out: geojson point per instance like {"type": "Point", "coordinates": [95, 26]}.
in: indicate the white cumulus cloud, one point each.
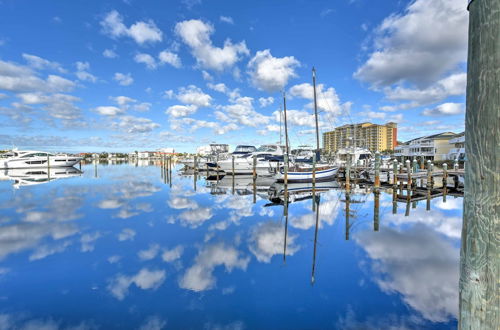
{"type": "Point", "coordinates": [269, 73]}
{"type": "Point", "coordinates": [141, 32]}
{"type": "Point", "coordinates": [196, 34]}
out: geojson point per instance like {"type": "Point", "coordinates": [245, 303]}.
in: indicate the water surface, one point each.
{"type": "Point", "coordinates": [120, 246]}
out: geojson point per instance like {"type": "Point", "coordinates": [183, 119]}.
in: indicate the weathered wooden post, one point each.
{"type": "Point", "coordinates": [314, 182]}
{"type": "Point", "coordinates": [432, 175]}
{"type": "Point", "coordinates": [162, 167]}
{"type": "Point", "coordinates": [455, 165]}
{"type": "Point", "coordinates": [254, 168]}
{"type": "Point", "coordinates": [285, 175]}
{"type": "Point", "coordinates": [480, 245]}
{"type": "Point", "coordinates": [376, 208]}
{"type": "Point", "coordinates": [394, 174]}
{"type": "Point", "coordinates": [415, 166]}
{"type": "Point", "coordinates": [445, 181]}
{"type": "Point", "coordinates": [216, 169]}
{"type": "Point", "coordinates": [347, 211]}
{"type": "Point", "coordinates": [377, 170]}
{"type": "Point", "coordinates": [429, 174]}
{"type": "Point", "coordinates": [48, 167]}
{"type": "Point", "coordinates": [408, 173]}
{"type": "Point", "coordinates": [170, 172]}
{"type": "Point", "coordinates": [232, 172]}
{"type": "Point", "coordinates": [348, 173]}
{"type": "Point", "coordinates": [195, 171]}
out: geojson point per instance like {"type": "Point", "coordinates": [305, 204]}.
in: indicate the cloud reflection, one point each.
{"type": "Point", "coordinates": [199, 276]}
{"type": "Point", "coordinates": [145, 279]}
{"type": "Point", "coordinates": [267, 239]}
{"type": "Point", "coordinates": [419, 264]}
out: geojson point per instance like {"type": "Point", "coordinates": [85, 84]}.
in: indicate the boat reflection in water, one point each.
{"type": "Point", "coordinates": [298, 191]}
{"type": "Point", "coordinates": [34, 176]}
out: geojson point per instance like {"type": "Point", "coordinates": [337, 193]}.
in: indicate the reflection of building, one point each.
{"type": "Point", "coordinates": [371, 136]}
{"type": "Point", "coordinates": [433, 147]}
{"type": "Point", "coordinates": [169, 151]}
{"type": "Point", "coordinates": [145, 154]}
{"type": "Point", "coordinates": [458, 149]}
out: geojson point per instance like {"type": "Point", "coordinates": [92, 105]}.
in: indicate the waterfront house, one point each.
{"type": "Point", "coordinates": [432, 147]}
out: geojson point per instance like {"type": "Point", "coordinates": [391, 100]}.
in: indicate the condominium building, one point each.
{"type": "Point", "coordinates": [432, 147]}
{"type": "Point", "coordinates": [366, 135]}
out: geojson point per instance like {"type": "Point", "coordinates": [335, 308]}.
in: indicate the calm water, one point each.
{"type": "Point", "coordinates": [117, 247]}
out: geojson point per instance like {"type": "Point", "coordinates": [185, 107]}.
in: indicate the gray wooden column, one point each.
{"type": "Point", "coordinates": [480, 250]}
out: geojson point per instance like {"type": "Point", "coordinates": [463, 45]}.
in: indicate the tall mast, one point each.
{"type": "Point", "coordinates": [315, 110]}
{"type": "Point", "coordinates": [281, 114]}
{"type": "Point", "coordinates": [286, 126]}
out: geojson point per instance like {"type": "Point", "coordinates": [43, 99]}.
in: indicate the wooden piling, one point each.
{"type": "Point", "coordinates": [377, 169]}
{"type": "Point", "coordinates": [285, 174]}
{"type": "Point", "coordinates": [445, 181]}
{"type": "Point", "coordinates": [394, 174]}
{"type": "Point", "coordinates": [254, 168]}
{"type": "Point", "coordinates": [195, 171]}
{"type": "Point", "coordinates": [348, 173]}
{"type": "Point", "coordinates": [232, 172]}
{"type": "Point", "coordinates": [415, 166]}
{"type": "Point", "coordinates": [479, 285]}
{"type": "Point", "coordinates": [48, 167]}
{"type": "Point", "coordinates": [429, 174]}
{"type": "Point", "coordinates": [314, 182]}
{"type": "Point", "coordinates": [408, 172]}
{"type": "Point", "coordinates": [170, 172]}
{"type": "Point", "coordinates": [376, 208]}
{"type": "Point", "coordinates": [347, 211]}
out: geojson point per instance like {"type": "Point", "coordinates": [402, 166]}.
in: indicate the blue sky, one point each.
{"type": "Point", "coordinates": [134, 75]}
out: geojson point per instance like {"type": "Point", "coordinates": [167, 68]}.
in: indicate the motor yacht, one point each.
{"type": "Point", "coordinates": [36, 159]}
{"type": "Point", "coordinates": [358, 156]}
{"type": "Point", "coordinates": [267, 156]}
{"type": "Point", "coordinates": [207, 155]}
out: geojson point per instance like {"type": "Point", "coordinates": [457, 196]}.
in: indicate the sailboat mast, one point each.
{"type": "Point", "coordinates": [281, 135]}
{"type": "Point", "coordinates": [286, 125]}
{"type": "Point", "coordinates": [315, 110]}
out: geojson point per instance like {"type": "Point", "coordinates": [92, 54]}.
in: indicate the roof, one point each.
{"type": "Point", "coordinates": [434, 136]}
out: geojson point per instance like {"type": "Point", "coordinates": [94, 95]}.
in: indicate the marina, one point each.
{"type": "Point", "coordinates": [232, 165]}
{"type": "Point", "coordinates": [162, 240]}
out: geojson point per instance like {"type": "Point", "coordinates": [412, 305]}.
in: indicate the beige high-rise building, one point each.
{"type": "Point", "coordinates": [371, 136]}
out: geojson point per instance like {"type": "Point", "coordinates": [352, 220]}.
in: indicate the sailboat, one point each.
{"type": "Point", "coordinates": [306, 172]}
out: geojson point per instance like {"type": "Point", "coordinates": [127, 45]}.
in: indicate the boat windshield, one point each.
{"type": "Point", "coordinates": [8, 154]}
{"type": "Point", "coordinates": [245, 149]}
{"type": "Point", "coordinates": [267, 149]}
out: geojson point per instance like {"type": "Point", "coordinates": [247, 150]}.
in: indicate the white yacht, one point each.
{"type": "Point", "coordinates": [267, 157]}
{"type": "Point", "coordinates": [207, 155]}
{"type": "Point", "coordinates": [36, 159]}
{"type": "Point", "coordinates": [359, 156]}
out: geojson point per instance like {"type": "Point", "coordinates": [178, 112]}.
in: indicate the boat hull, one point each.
{"type": "Point", "coordinates": [40, 162]}
{"type": "Point", "coordinates": [307, 176]}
